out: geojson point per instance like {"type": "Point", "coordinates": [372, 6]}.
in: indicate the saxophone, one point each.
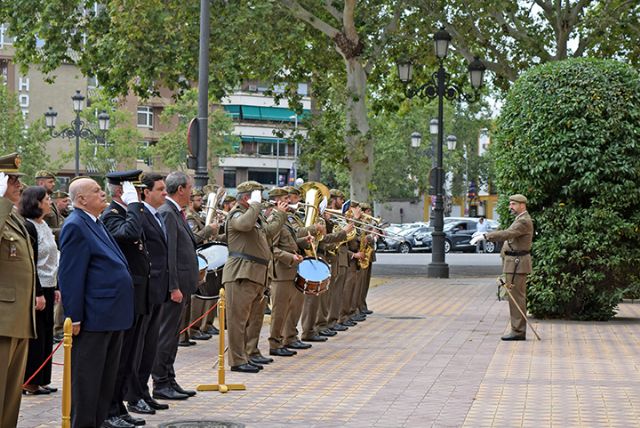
{"type": "Point", "coordinates": [367, 249]}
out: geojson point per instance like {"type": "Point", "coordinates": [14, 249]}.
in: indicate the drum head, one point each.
{"type": "Point", "coordinates": [314, 270]}
{"type": "Point", "coordinates": [202, 262]}
{"type": "Point", "coordinates": [216, 254]}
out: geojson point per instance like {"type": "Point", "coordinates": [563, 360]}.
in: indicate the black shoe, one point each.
{"type": "Point", "coordinates": [212, 331]}
{"type": "Point", "coordinates": [282, 352]}
{"type": "Point", "coordinates": [245, 368]}
{"type": "Point", "coordinates": [349, 323]}
{"type": "Point", "coordinates": [315, 338]}
{"type": "Point", "coordinates": [116, 422]}
{"type": "Point", "coordinates": [169, 393]}
{"type": "Point", "coordinates": [514, 336]}
{"type": "Point", "coordinates": [259, 359]}
{"type": "Point", "coordinates": [155, 405]}
{"type": "Point", "coordinates": [201, 336]}
{"type": "Point", "coordinates": [186, 343]}
{"type": "Point", "coordinates": [267, 310]}
{"type": "Point", "coordinates": [50, 389]}
{"type": "Point", "coordinates": [141, 407]}
{"type": "Point", "coordinates": [133, 420]}
{"type": "Point", "coordinates": [259, 366]}
{"type": "Point", "coordinates": [299, 345]}
{"type": "Point", "coordinates": [367, 312]}
{"type": "Point", "coordinates": [179, 389]}
{"type": "Point", "coordinates": [359, 317]}
{"type": "Point", "coordinates": [339, 327]}
{"type": "Point", "coordinates": [328, 332]}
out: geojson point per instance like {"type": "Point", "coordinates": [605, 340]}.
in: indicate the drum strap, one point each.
{"type": "Point", "coordinates": [249, 257]}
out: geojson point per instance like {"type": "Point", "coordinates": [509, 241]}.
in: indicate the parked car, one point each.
{"type": "Point", "coordinates": [402, 241]}
{"type": "Point", "coordinates": [458, 233]}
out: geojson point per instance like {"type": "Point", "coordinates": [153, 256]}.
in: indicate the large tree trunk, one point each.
{"type": "Point", "coordinates": [357, 138]}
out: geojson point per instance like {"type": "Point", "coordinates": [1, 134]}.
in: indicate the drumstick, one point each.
{"type": "Point", "coordinates": [315, 255]}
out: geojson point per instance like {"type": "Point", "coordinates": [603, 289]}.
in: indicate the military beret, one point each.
{"type": "Point", "coordinates": [335, 193]}
{"type": "Point", "coordinates": [518, 198]}
{"type": "Point", "coordinates": [45, 174]}
{"type": "Point", "coordinates": [209, 188]}
{"type": "Point", "coordinates": [249, 186]}
{"type": "Point", "coordinates": [365, 206]}
{"type": "Point", "coordinates": [196, 192]}
{"type": "Point", "coordinates": [355, 203]}
{"type": "Point", "coordinates": [9, 164]}
{"type": "Point", "coordinates": [59, 194]}
{"type": "Point", "coordinates": [293, 190]}
{"type": "Point", "coordinates": [228, 199]}
{"type": "Point", "coordinates": [278, 191]}
{"type": "Point", "coordinates": [119, 177]}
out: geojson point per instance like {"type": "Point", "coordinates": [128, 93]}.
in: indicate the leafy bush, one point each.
{"type": "Point", "coordinates": [569, 139]}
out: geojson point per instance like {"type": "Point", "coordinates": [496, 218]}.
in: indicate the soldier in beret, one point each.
{"type": "Point", "coordinates": [516, 262]}
{"type": "Point", "coordinates": [17, 285]}
{"type": "Point", "coordinates": [245, 273]}
{"type": "Point", "coordinates": [62, 202]}
{"type": "Point", "coordinates": [123, 219]}
{"type": "Point", "coordinates": [47, 180]}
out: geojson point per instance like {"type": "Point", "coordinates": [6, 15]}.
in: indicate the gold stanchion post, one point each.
{"type": "Point", "coordinates": [66, 374]}
{"type": "Point", "coordinates": [221, 385]}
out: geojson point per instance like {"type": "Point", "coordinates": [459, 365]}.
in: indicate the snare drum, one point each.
{"type": "Point", "coordinates": [216, 254]}
{"type": "Point", "coordinates": [314, 276]}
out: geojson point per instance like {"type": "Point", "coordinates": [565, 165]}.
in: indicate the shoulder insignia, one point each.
{"type": "Point", "coordinates": [192, 224]}
{"type": "Point", "coordinates": [115, 211]}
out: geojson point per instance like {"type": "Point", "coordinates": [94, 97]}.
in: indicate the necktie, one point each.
{"type": "Point", "coordinates": [102, 228]}
{"type": "Point", "coordinates": [184, 216]}
{"type": "Point", "coordinates": [162, 226]}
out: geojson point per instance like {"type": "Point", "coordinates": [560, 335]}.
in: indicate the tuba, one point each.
{"type": "Point", "coordinates": [316, 196]}
{"type": "Point", "coordinates": [212, 204]}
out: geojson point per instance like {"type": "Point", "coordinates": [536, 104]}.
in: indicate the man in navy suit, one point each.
{"type": "Point", "coordinates": [97, 294]}
{"type": "Point", "coordinates": [183, 279]}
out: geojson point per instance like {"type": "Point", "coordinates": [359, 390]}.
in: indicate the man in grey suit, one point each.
{"type": "Point", "coordinates": [183, 278]}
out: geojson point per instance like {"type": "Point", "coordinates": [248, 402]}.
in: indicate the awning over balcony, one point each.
{"type": "Point", "coordinates": [267, 114]}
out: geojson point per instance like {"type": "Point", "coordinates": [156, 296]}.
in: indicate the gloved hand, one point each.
{"type": "Point", "coordinates": [129, 193]}
{"type": "Point", "coordinates": [477, 237]}
{"type": "Point", "coordinates": [4, 183]}
{"type": "Point", "coordinates": [256, 197]}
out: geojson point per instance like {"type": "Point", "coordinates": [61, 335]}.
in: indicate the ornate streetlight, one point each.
{"type": "Point", "coordinates": [440, 86]}
{"type": "Point", "coordinates": [77, 129]}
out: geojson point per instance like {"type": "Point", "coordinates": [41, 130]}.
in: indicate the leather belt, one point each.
{"type": "Point", "coordinates": [249, 257]}
{"type": "Point", "coordinates": [517, 253]}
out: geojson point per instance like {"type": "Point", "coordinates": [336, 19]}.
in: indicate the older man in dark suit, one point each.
{"type": "Point", "coordinates": [123, 219]}
{"type": "Point", "coordinates": [183, 279]}
{"type": "Point", "coordinates": [153, 197]}
{"type": "Point", "coordinates": [17, 292]}
{"type": "Point", "coordinates": [97, 294]}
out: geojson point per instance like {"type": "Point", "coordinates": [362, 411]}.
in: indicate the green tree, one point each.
{"type": "Point", "coordinates": [568, 138]}
{"type": "Point", "coordinates": [30, 143]}
{"type": "Point", "coordinates": [172, 146]}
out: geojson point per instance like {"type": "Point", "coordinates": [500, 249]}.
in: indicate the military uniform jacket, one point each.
{"type": "Point", "coordinates": [202, 232]}
{"type": "Point", "coordinates": [17, 276]}
{"type": "Point", "coordinates": [353, 247]}
{"type": "Point", "coordinates": [517, 238]}
{"type": "Point", "coordinates": [125, 225]}
{"type": "Point", "coordinates": [328, 245]}
{"type": "Point", "coordinates": [248, 239]}
{"type": "Point", "coordinates": [286, 245]}
{"type": "Point", "coordinates": [54, 219]}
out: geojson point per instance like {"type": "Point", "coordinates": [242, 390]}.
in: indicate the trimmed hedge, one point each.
{"type": "Point", "coordinates": [568, 137]}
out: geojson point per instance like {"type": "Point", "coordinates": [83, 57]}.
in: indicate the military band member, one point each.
{"type": "Point", "coordinates": [351, 288]}
{"type": "Point", "coordinates": [123, 219]}
{"type": "Point", "coordinates": [516, 262]}
{"type": "Point", "coordinates": [17, 284]}
{"type": "Point", "coordinates": [370, 245]}
{"type": "Point", "coordinates": [47, 180]}
{"type": "Point", "coordinates": [245, 273]}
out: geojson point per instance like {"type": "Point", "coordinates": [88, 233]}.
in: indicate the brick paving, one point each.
{"type": "Point", "coordinates": [430, 355]}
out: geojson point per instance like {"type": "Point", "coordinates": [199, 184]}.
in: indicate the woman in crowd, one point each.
{"type": "Point", "coordinates": [35, 204]}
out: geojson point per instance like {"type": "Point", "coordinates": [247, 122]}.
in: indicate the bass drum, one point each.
{"type": "Point", "coordinates": [216, 254]}
{"type": "Point", "coordinates": [314, 276]}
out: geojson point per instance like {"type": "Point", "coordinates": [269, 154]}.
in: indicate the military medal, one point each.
{"type": "Point", "coordinates": [13, 250]}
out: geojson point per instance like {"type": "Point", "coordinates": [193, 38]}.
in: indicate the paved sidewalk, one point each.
{"type": "Point", "coordinates": [430, 355]}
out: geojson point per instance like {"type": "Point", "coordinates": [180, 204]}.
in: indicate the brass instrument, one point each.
{"type": "Point", "coordinates": [212, 204]}
{"type": "Point", "coordinates": [315, 196]}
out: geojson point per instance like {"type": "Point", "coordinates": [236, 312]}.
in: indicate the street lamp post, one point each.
{"type": "Point", "coordinates": [440, 87]}
{"type": "Point", "coordinates": [77, 129]}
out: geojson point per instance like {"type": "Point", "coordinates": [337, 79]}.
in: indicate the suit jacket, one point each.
{"type": "Point", "coordinates": [182, 258]}
{"type": "Point", "coordinates": [93, 276]}
{"type": "Point", "coordinates": [158, 253]}
{"type": "Point", "coordinates": [249, 235]}
{"type": "Point", "coordinates": [125, 225]}
{"type": "Point", "coordinates": [517, 237]}
{"type": "Point", "coordinates": [17, 276]}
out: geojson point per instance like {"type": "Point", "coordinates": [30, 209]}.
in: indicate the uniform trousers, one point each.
{"type": "Point", "coordinates": [243, 298]}
{"type": "Point", "coordinates": [336, 290]}
{"type": "Point", "coordinates": [323, 311]}
{"type": "Point", "coordinates": [171, 316]}
{"type": "Point", "coordinates": [138, 384]}
{"type": "Point", "coordinates": [198, 308]}
{"type": "Point", "coordinates": [256, 320]}
{"type": "Point", "coordinates": [365, 289]}
{"type": "Point", "coordinates": [519, 293]}
{"type": "Point", "coordinates": [282, 299]}
{"type": "Point", "coordinates": [355, 292]}
{"type": "Point", "coordinates": [291, 324]}
{"type": "Point", "coordinates": [310, 310]}
{"type": "Point", "coordinates": [95, 356]}
{"type": "Point", "coordinates": [13, 360]}
{"type": "Point", "coordinates": [347, 292]}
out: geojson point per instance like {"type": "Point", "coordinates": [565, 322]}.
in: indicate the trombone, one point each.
{"type": "Point", "coordinates": [363, 225]}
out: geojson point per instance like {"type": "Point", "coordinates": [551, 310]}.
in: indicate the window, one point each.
{"type": "Point", "coordinates": [143, 152]}
{"type": "Point", "coordinates": [145, 117]}
{"type": "Point", "coordinates": [229, 179]}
